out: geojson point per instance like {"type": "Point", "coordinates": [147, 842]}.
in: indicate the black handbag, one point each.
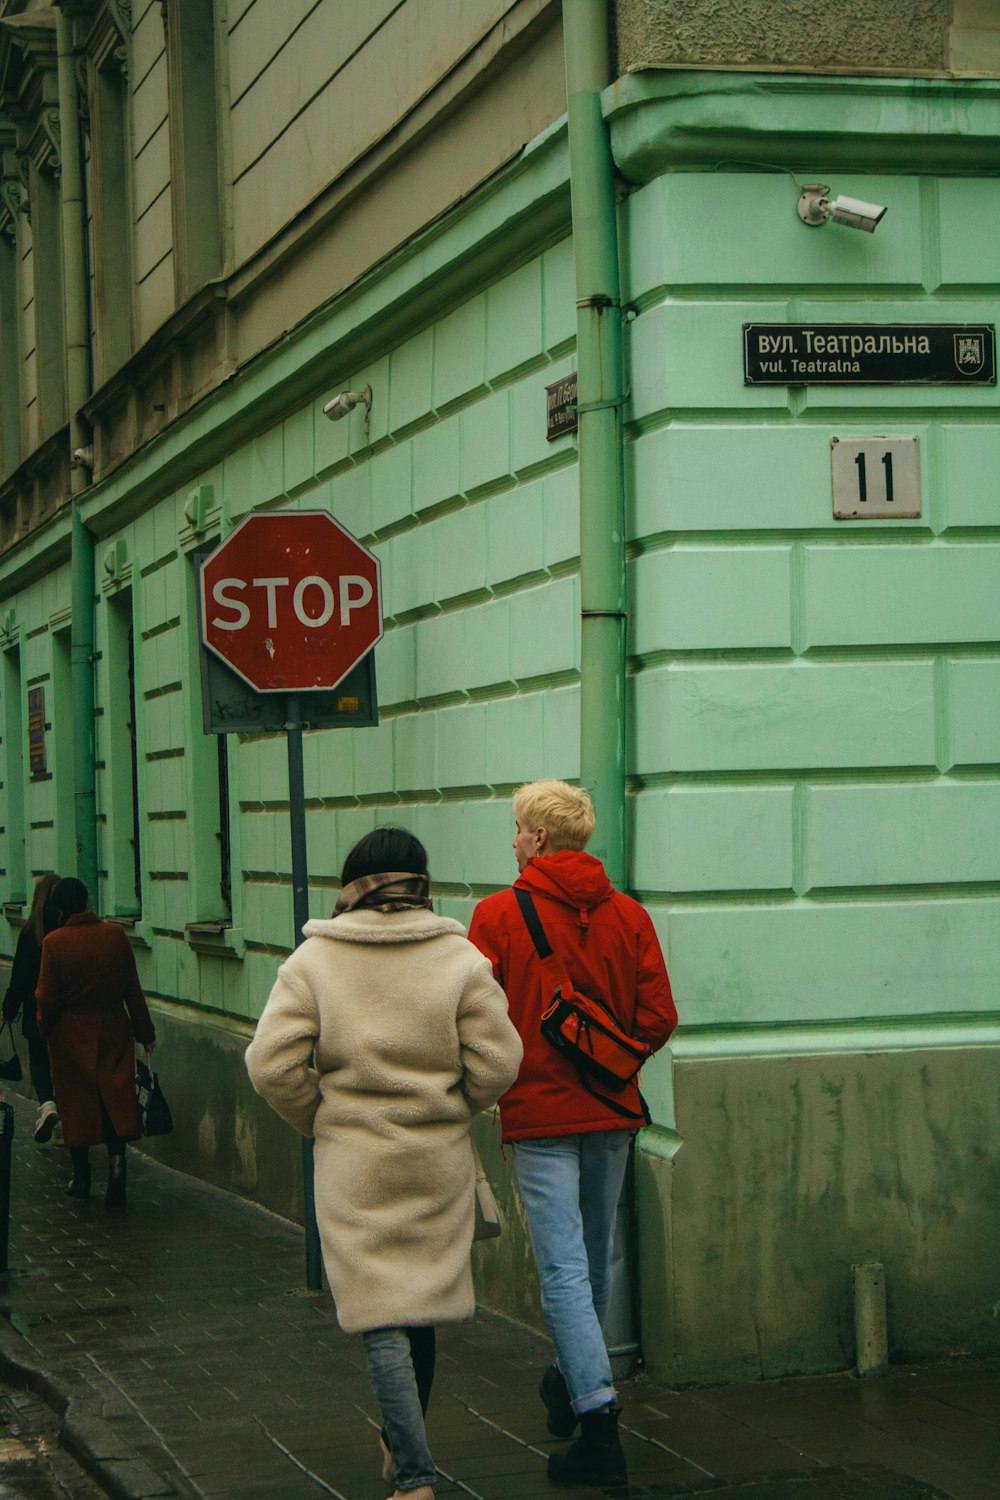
{"type": "Point", "coordinates": [154, 1111]}
{"type": "Point", "coordinates": [11, 1069]}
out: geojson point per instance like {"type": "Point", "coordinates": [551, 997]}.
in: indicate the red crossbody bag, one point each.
{"type": "Point", "coordinates": [583, 1029]}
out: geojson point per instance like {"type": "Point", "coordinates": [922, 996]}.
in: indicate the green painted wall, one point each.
{"type": "Point", "coordinates": [812, 706]}
{"type": "Point", "coordinates": [815, 738]}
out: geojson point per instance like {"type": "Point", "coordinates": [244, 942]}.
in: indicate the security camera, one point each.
{"type": "Point", "coordinates": [346, 402]}
{"type": "Point", "coordinates": [855, 213]}
{"type": "Point", "coordinates": [815, 208]}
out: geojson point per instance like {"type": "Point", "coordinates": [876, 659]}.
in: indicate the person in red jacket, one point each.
{"type": "Point", "coordinates": [570, 1146]}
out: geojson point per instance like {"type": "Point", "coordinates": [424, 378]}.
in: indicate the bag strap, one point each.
{"type": "Point", "coordinates": [641, 1116]}
{"type": "Point", "coordinates": [543, 948]}
{"type": "Point", "coordinates": [533, 922]}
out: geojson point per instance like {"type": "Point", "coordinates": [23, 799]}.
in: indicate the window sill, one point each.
{"type": "Point", "coordinates": [139, 932]}
{"type": "Point", "coordinates": [14, 913]}
{"type": "Point", "coordinates": [218, 939]}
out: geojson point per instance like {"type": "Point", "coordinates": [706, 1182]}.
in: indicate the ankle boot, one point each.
{"type": "Point", "coordinates": [562, 1417]}
{"type": "Point", "coordinates": [80, 1186]}
{"type": "Point", "coordinates": [115, 1195]}
{"type": "Point", "coordinates": [596, 1457]}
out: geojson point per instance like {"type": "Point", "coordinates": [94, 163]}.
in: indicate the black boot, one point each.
{"type": "Point", "coordinates": [596, 1457]}
{"type": "Point", "coordinates": [562, 1418]}
{"type": "Point", "coordinates": [115, 1195]}
{"type": "Point", "coordinates": [80, 1186]}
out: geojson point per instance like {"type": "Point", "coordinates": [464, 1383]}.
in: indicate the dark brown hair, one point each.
{"type": "Point", "coordinates": [44, 886]}
{"type": "Point", "coordinates": [382, 851]}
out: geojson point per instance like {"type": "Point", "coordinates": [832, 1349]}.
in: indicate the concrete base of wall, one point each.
{"type": "Point", "coordinates": [223, 1131]}
{"type": "Point", "coordinates": [796, 1168]}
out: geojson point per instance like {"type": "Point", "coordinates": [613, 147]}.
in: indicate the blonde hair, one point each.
{"type": "Point", "coordinates": [36, 916]}
{"type": "Point", "coordinates": [565, 812]}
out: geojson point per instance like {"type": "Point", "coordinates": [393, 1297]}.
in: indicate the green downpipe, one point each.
{"type": "Point", "coordinates": [74, 231]}
{"type": "Point", "coordinates": [599, 376]}
{"type": "Point", "coordinates": [602, 512]}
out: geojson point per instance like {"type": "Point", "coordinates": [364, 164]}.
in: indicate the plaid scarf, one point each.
{"type": "Point", "coordinates": [394, 891]}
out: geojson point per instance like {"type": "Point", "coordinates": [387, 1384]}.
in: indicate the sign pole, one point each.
{"type": "Point", "coordinates": [300, 915]}
{"type": "Point", "coordinates": [304, 633]}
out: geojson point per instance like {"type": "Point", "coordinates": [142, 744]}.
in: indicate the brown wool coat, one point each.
{"type": "Point", "coordinates": [91, 1011]}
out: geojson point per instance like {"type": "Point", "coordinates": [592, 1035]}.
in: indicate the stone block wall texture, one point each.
{"type": "Point", "coordinates": [814, 703]}
{"type": "Point", "coordinates": [815, 727]}
{"type": "Point", "coordinates": [903, 36]}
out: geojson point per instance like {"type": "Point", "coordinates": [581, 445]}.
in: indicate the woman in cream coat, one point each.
{"type": "Point", "coordinates": [411, 1039]}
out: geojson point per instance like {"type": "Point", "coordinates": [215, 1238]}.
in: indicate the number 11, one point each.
{"type": "Point", "coordinates": [863, 478]}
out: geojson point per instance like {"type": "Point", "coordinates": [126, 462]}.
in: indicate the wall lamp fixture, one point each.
{"type": "Point", "coordinates": [815, 207]}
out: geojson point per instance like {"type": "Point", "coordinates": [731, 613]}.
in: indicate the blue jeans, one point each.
{"type": "Point", "coordinates": [570, 1186]}
{"type": "Point", "coordinates": [402, 1392]}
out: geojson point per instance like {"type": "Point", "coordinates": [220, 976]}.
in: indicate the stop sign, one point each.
{"type": "Point", "coordinates": [291, 601]}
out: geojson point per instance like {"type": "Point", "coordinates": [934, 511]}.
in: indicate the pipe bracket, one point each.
{"type": "Point", "coordinates": [611, 405]}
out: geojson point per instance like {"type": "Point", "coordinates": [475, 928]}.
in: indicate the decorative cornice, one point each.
{"type": "Point", "coordinates": [50, 126]}
{"type": "Point", "coordinates": [678, 118]}
{"type": "Point", "coordinates": [121, 14]}
{"type": "Point", "coordinates": [12, 203]}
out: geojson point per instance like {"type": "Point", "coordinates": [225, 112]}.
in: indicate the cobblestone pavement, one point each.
{"type": "Point", "coordinates": [32, 1464]}
{"type": "Point", "coordinates": [197, 1365]}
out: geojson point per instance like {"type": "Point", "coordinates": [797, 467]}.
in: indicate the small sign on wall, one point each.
{"type": "Point", "coordinates": [36, 731]}
{"type": "Point", "coordinates": [875, 478]}
{"type": "Point", "coordinates": [560, 407]}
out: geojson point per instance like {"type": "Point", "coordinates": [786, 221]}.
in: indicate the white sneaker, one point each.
{"type": "Point", "coordinates": [48, 1118]}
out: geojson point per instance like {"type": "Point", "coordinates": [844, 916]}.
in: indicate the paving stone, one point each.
{"type": "Point", "coordinates": [211, 1363]}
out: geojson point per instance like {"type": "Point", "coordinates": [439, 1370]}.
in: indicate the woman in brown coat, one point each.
{"type": "Point", "coordinates": [92, 1011]}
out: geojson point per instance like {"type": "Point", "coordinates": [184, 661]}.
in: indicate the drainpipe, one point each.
{"type": "Point", "coordinates": [599, 405]}
{"type": "Point", "coordinates": [74, 230]}
{"type": "Point", "coordinates": [602, 510]}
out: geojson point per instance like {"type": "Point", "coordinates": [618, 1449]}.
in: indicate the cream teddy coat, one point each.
{"type": "Point", "coordinates": [412, 1039]}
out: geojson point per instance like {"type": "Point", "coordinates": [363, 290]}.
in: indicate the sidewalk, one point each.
{"type": "Point", "coordinates": [195, 1364]}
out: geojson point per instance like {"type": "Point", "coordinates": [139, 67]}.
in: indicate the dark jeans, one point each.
{"type": "Point", "coordinates": [401, 1371]}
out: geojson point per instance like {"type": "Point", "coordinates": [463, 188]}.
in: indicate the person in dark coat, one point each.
{"type": "Point", "coordinates": [20, 1001]}
{"type": "Point", "coordinates": [92, 1011]}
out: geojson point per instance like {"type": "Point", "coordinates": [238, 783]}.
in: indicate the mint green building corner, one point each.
{"type": "Point", "coordinates": [811, 720]}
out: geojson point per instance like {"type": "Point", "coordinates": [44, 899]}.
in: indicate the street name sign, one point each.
{"type": "Point", "coordinates": [291, 601]}
{"type": "Point", "coordinates": [869, 354]}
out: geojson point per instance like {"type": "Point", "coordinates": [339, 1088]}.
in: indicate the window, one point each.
{"type": "Point", "coordinates": [62, 742]}
{"type": "Point", "coordinates": [10, 375]}
{"type": "Point", "coordinates": [50, 339]}
{"type": "Point", "coordinates": [13, 734]}
{"type": "Point", "coordinates": [111, 227]}
{"type": "Point", "coordinates": [194, 166]}
{"type": "Point", "coordinates": [210, 847]}
{"type": "Point", "coordinates": [122, 806]}
{"type": "Point", "coordinates": [223, 835]}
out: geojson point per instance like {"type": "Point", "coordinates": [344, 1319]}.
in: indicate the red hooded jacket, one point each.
{"type": "Point", "coordinates": [608, 945]}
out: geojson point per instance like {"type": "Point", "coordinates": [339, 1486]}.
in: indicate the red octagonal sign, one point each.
{"type": "Point", "coordinates": [291, 601]}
